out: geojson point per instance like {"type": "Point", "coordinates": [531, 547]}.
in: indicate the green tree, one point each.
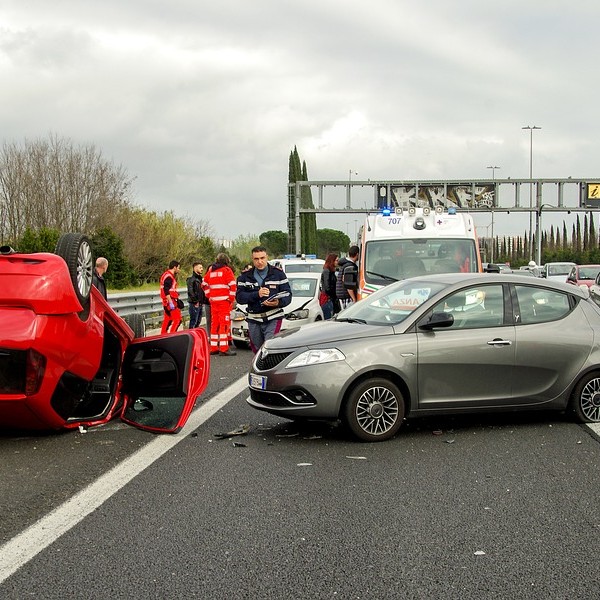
{"type": "Point", "coordinates": [108, 244]}
{"type": "Point", "coordinates": [308, 221]}
{"type": "Point", "coordinates": [331, 240]}
{"type": "Point", "coordinates": [42, 240]}
{"type": "Point", "coordinates": [241, 251]}
{"type": "Point", "coordinates": [276, 242]}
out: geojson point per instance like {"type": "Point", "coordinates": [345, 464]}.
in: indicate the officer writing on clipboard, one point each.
{"type": "Point", "coordinates": [266, 291]}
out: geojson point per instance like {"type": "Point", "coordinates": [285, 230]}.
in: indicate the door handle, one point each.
{"type": "Point", "coordinates": [499, 343]}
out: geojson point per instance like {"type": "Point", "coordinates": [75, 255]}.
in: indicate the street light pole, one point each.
{"type": "Point", "coordinates": [531, 128]}
{"type": "Point", "coordinates": [493, 170]}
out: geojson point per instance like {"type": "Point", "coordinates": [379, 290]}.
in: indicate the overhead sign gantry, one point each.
{"type": "Point", "coordinates": [478, 195]}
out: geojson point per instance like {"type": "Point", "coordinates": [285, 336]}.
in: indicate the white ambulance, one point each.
{"type": "Point", "coordinates": [407, 242]}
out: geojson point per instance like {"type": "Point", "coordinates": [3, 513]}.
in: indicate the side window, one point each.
{"type": "Point", "coordinates": [480, 306]}
{"type": "Point", "coordinates": [537, 305]}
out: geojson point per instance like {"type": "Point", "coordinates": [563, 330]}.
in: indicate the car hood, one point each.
{"type": "Point", "coordinates": [323, 332]}
{"type": "Point", "coordinates": [298, 302]}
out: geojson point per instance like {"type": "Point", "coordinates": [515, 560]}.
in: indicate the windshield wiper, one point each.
{"type": "Point", "coordinates": [348, 320]}
{"type": "Point", "coordinates": [382, 276]}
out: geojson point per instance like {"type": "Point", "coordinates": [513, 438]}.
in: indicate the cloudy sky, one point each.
{"type": "Point", "coordinates": [202, 102]}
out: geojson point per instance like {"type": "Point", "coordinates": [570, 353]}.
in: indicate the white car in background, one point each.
{"type": "Point", "coordinates": [557, 271]}
{"type": "Point", "coordinates": [304, 307]}
{"type": "Point", "coordinates": [299, 264]}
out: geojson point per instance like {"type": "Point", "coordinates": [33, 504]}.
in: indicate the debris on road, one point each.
{"type": "Point", "coordinates": [241, 430]}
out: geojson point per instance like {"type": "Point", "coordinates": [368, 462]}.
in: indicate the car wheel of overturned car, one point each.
{"type": "Point", "coordinates": [585, 401]}
{"type": "Point", "coordinates": [137, 324]}
{"type": "Point", "coordinates": [374, 410]}
{"type": "Point", "coordinates": [76, 250]}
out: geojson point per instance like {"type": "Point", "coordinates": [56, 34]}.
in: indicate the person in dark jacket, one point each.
{"type": "Point", "coordinates": [256, 288]}
{"type": "Point", "coordinates": [98, 275]}
{"type": "Point", "coordinates": [195, 295]}
{"type": "Point", "coordinates": [347, 278]}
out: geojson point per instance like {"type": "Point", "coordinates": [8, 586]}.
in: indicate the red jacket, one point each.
{"type": "Point", "coordinates": [168, 286]}
{"type": "Point", "coordinates": [219, 284]}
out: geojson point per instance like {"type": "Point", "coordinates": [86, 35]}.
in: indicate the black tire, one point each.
{"type": "Point", "coordinates": [137, 324]}
{"type": "Point", "coordinates": [76, 250]}
{"type": "Point", "coordinates": [375, 410]}
{"type": "Point", "coordinates": [240, 344]}
{"type": "Point", "coordinates": [585, 401]}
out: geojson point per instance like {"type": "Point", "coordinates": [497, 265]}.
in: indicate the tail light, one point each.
{"type": "Point", "coordinates": [34, 373]}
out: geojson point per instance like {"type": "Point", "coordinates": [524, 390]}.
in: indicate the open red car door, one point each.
{"type": "Point", "coordinates": [161, 379]}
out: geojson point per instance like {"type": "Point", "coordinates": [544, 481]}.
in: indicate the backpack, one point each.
{"type": "Point", "coordinates": [341, 292]}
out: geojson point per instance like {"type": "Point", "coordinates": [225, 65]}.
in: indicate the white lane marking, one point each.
{"type": "Point", "coordinates": [595, 427]}
{"type": "Point", "coordinates": [22, 548]}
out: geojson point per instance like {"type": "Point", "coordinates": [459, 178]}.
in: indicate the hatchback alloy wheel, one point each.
{"type": "Point", "coordinates": [375, 410]}
{"type": "Point", "coordinates": [586, 399]}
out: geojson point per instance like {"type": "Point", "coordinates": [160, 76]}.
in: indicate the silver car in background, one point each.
{"type": "Point", "coordinates": [441, 344]}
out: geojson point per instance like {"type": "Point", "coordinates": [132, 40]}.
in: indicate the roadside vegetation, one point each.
{"type": "Point", "coordinates": [50, 186]}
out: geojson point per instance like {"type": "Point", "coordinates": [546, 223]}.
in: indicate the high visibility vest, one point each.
{"type": "Point", "coordinates": [219, 285]}
{"type": "Point", "coordinates": [173, 291]}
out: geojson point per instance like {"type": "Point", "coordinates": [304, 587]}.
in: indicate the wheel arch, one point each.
{"type": "Point", "coordinates": [392, 376]}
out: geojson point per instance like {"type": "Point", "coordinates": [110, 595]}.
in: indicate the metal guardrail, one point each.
{"type": "Point", "coordinates": [147, 304]}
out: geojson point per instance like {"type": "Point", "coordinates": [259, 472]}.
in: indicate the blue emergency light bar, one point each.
{"type": "Point", "coordinates": [300, 256]}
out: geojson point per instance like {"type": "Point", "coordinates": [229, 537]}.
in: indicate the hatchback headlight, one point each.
{"type": "Point", "coordinates": [298, 314]}
{"type": "Point", "coordinates": [316, 357]}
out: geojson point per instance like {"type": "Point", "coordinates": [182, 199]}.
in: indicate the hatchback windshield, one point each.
{"type": "Point", "coordinates": [303, 288]}
{"type": "Point", "coordinates": [392, 304]}
{"type": "Point", "coordinates": [559, 269]}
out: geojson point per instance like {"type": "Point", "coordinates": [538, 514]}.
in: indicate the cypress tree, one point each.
{"type": "Point", "coordinates": [592, 238]}
{"type": "Point", "coordinates": [309, 242]}
{"type": "Point", "coordinates": [308, 221]}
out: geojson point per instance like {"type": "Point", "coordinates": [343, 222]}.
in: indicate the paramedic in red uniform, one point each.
{"type": "Point", "coordinates": [170, 297]}
{"type": "Point", "coordinates": [219, 285]}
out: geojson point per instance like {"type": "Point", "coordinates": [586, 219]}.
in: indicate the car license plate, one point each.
{"type": "Point", "coordinates": [258, 382]}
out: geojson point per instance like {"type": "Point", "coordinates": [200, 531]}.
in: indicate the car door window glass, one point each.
{"type": "Point", "coordinates": [480, 306]}
{"type": "Point", "coordinates": [537, 305]}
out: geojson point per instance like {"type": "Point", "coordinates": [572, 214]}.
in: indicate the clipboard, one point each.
{"type": "Point", "coordinates": [276, 296]}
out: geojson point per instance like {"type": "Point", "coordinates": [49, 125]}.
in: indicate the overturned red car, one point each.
{"type": "Point", "coordinates": [67, 359]}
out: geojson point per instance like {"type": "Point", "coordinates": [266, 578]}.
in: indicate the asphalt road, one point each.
{"type": "Point", "coordinates": [495, 507]}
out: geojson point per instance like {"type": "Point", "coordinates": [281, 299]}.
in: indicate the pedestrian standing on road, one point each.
{"type": "Point", "coordinates": [98, 275]}
{"type": "Point", "coordinates": [347, 278]}
{"type": "Point", "coordinates": [195, 295]}
{"type": "Point", "coordinates": [169, 295]}
{"type": "Point", "coordinates": [327, 297]}
{"type": "Point", "coordinates": [255, 287]}
{"type": "Point", "coordinates": [219, 286]}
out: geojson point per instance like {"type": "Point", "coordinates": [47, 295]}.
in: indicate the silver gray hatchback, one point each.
{"type": "Point", "coordinates": [441, 344]}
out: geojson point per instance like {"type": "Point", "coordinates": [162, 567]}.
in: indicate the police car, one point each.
{"type": "Point", "coordinates": [299, 263]}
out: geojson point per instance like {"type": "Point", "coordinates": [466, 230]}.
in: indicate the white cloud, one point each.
{"type": "Point", "coordinates": [204, 102]}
